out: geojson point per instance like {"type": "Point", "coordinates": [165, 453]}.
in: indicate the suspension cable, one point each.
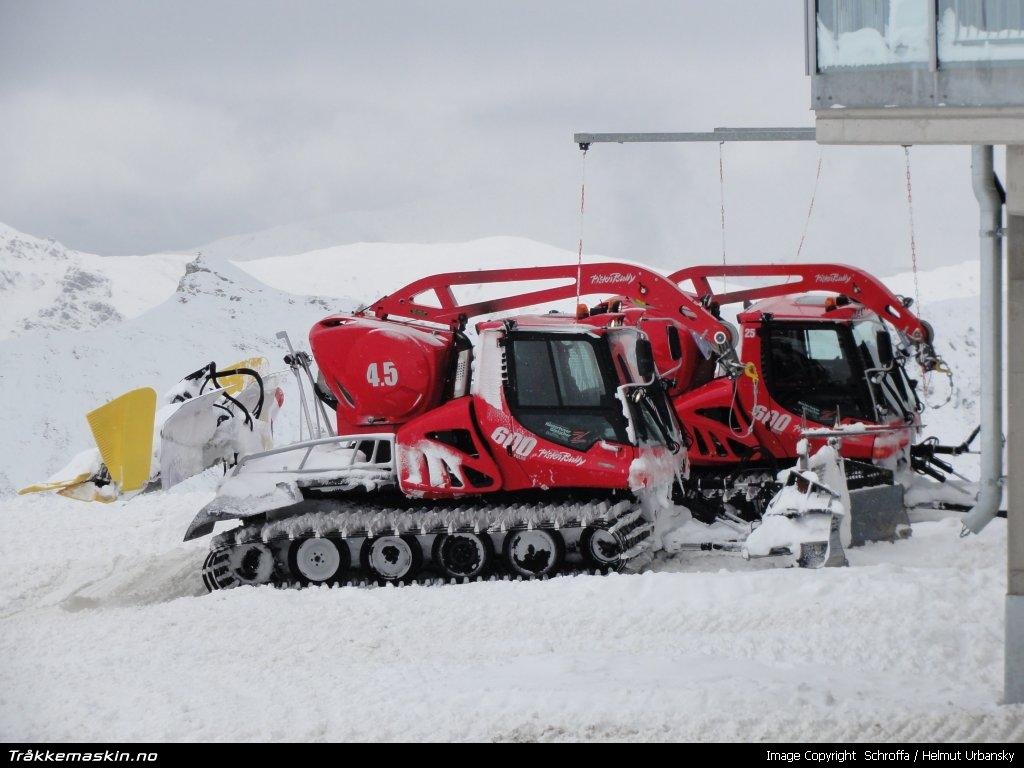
{"type": "Point", "coordinates": [810, 208]}
{"type": "Point", "coordinates": [913, 240]}
{"type": "Point", "coordinates": [721, 201]}
{"type": "Point", "coordinates": [579, 247]}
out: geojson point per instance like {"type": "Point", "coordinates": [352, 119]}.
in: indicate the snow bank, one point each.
{"type": "Point", "coordinates": [964, 42]}
{"type": "Point", "coordinates": [113, 642]}
{"type": "Point", "coordinates": [905, 39]}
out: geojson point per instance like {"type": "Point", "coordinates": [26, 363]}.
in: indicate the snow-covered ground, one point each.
{"type": "Point", "coordinates": [106, 633]}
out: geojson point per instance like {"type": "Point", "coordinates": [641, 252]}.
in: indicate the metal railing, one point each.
{"type": "Point", "coordinates": [374, 458]}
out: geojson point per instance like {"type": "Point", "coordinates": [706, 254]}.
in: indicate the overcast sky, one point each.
{"type": "Point", "coordinates": [132, 127]}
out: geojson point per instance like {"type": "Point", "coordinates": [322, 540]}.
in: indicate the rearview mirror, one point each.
{"type": "Point", "coordinates": [645, 360]}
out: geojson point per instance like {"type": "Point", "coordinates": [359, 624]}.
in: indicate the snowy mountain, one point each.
{"type": "Point", "coordinates": [148, 320]}
{"type": "Point", "coordinates": [52, 377]}
{"type": "Point", "coordinates": [345, 270]}
{"type": "Point", "coordinates": [436, 219]}
{"type": "Point", "coordinates": [45, 285]}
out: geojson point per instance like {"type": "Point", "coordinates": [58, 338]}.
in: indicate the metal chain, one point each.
{"type": "Point", "coordinates": [579, 247]}
{"type": "Point", "coordinates": [926, 377]}
{"type": "Point", "coordinates": [913, 241]}
{"type": "Point", "coordinates": [810, 208]}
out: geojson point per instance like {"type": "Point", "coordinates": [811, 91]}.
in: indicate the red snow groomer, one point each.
{"type": "Point", "coordinates": [555, 439]}
{"type": "Point", "coordinates": [818, 361]}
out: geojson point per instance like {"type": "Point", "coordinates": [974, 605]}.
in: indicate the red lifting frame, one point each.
{"type": "Point", "coordinates": [835, 278]}
{"type": "Point", "coordinates": [639, 285]}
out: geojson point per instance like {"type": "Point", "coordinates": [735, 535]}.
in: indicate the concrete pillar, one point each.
{"type": "Point", "coordinates": [1014, 681]}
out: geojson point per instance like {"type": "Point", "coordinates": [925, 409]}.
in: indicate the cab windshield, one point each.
{"type": "Point", "coordinates": [816, 372]}
{"type": "Point", "coordinates": [561, 388]}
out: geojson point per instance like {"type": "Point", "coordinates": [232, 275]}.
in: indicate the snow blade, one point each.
{"type": "Point", "coordinates": [42, 487]}
{"type": "Point", "coordinates": [187, 438]}
{"type": "Point", "coordinates": [123, 430]}
{"type": "Point", "coordinates": [804, 520]}
{"type": "Point", "coordinates": [197, 429]}
{"type": "Point", "coordinates": [55, 485]}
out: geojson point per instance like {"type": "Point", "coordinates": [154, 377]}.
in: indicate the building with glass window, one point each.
{"type": "Point", "coordinates": [879, 67]}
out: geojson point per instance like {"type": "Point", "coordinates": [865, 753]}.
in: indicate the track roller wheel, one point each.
{"type": "Point", "coordinates": [217, 571]}
{"type": "Point", "coordinates": [314, 560]}
{"type": "Point", "coordinates": [812, 555]}
{"type": "Point", "coordinates": [534, 553]}
{"type": "Point", "coordinates": [250, 563]}
{"type": "Point", "coordinates": [463, 555]}
{"type": "Point", "coordinates": [601, 548]}
{"type": "Point", "coordinates": [391, 558]}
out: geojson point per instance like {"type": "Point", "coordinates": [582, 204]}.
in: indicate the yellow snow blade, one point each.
{"type": "Point", "coordinates": [89, 492]}
{"type": "Point", "coordinates": [233, 384]}
{"type": "Point", "coordinates": [58, 485]}
{"type": "Point", "coordinates": [123, 430]}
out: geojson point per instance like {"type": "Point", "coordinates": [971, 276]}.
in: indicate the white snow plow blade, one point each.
{"type": "Point", "coordinates": [806, 522]}
{"type": "Point", "coordinates": [206, 418]}
{"type": "Point", "coordinates": [802, 520]}
{"type": "Point", "coordinates": [207, 429]}
{"type": "Point", "coordinates": [187, 444]}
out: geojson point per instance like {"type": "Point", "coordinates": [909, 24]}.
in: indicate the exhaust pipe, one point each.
{"type": "Point", "coordinates": [991, 198]}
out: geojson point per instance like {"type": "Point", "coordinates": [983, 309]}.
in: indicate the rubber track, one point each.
{"type": "Point", "coordinates": [351, 520]}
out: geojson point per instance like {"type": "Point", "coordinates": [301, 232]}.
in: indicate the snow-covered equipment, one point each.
{"type": "Point", "coordinates": [211, 416]}
{"type": "Point", "coordinates": [800, 520]}
{"type": "Point", "coordinates": [808, 517]}
{"type": "Point", "coordinates": [816, 348]}
{"type": "Point", "coordinates": [120, 462]}
{"type": "Point", "coordinates": [550, 444]}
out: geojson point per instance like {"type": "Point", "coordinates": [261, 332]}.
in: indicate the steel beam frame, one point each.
{"type": "Point", "coordinates": [584, 140]}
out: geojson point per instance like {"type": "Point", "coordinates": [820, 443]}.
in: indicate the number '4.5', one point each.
{"type": "Point", "coordinates": [386, 375]}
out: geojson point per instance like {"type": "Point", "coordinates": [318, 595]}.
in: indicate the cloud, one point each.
{"type": "Point", "coordinates": [134, 127]}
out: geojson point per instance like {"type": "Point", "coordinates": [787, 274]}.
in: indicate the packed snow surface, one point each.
{"type": "Point", "coordinates": [106, 634]}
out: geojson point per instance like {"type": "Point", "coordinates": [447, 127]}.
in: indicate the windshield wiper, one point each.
{"type": "Point", "coordinates": [644, 397]}
{"type": "Point", "coordinates": [890, 384]}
